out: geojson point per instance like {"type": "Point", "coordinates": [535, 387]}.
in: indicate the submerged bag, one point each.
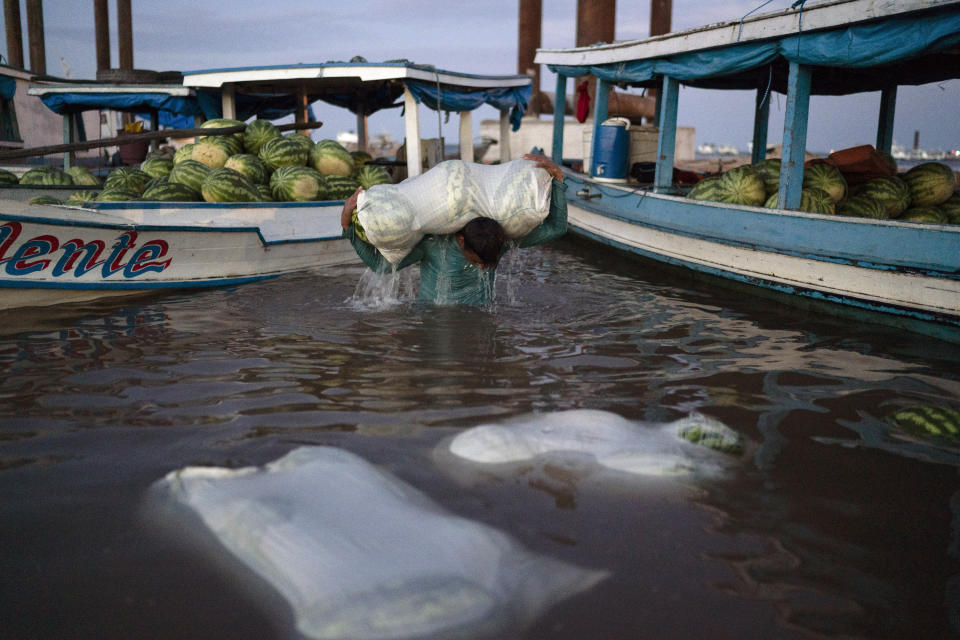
{"type": "Point", "coordinates": [396, 216]}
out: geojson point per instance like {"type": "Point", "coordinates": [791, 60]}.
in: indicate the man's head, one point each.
{"type": "Point", "coordinates": [483, 238]}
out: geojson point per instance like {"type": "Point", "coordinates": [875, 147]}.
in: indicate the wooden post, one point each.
{"type": "Point", "coordinates": [411, 120]}
{"type": "Point", "coordinates": [300, 112]}
{"type": "Point", "coordinates": [11, 16]}
{"type": "Point", "coordinates": [68, 137]}
{"type": "Point", "coordinates": [888, 104]}
{"type": "Point", "coordinates": [761, 122]}
{"type": "Point", "coordinates": [228, 101]}
{"type": "Point", "coordinates": [528, 39]}
{"type": "Point", "coordinates": [466, 136]}
{"type": "Point", "coordinates": [125, 34]}
{"type": "Point", "coordinates": [667, 138]}
{"type": "Point", "coordinates": [794, 136]}
{"type": "Point", "coordinates": [600, 112]}
{"type": "Point", "coordinates": [38, 53]}
{"type": "Point", "coordinates": [101, 27]}
{"type": "Point", "coordinates": [361, 130]}
{"type": "Point", "coordinates": [154, 126]}
{"type": "Point", "coordinates": [559, 113]}
{"type": "Point", "coordinates": [504, 135]}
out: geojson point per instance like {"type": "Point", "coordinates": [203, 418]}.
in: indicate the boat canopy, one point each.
{"type": "Point", "coordinates": [850, 49]}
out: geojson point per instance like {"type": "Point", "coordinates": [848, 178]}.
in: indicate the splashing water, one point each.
{"type": "Point", "coordinates": [377, 291]}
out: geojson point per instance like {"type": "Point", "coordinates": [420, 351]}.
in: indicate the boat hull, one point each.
{"type": "Point", "coordinates": [50, 255]}
{"type": "Point", "coordinates": [898, 268]}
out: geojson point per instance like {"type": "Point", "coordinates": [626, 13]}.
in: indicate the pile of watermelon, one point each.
{"type": "Point", "coordinates": [257, 165]}
{"type": "Point", "coordinates": [925, 193]}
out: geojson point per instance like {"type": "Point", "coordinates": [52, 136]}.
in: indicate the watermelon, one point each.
{"type": "Point", "coordinates": [371, 174]}
{"type": "Point", "coordinates": [264, 190]}
{"type": "Point", "coordinates": [80, 198]}
{"type": "Point", "coordinates": [862, 207]}
{"type": "Point", "coordinates": [930, 184]}
{"type": "Point", "coordinates": [742, 185]}
{"type": "Point", "coordinates": [331, 159]}
{"type": "Point", "coordinates": [926, 420]}
{"type": "Point", "coordinates": [812, 200]}
{"type": "Point", "coordinates": [8, 177]}
{"type": "Point", "coordinates": [234, 141]}
{"type": "Point", "coordinates": [212, 151]}
{"type": "Point", "coordinates": [295, 183]}
{"type": "Point", "coordinates": [172, 192]}
{"type": "Point", "coordinates": [156, 166]}
{"type": "Point", "coordinates": [83, 176]}
{"type": "Point", "coordinates": [890, 160]}
{"type": "Point", "coordinates": [951, 208]}
{"type": "Point", "coordinates": [923, 214]}
{"type": "Point", "coordinates": [44, 200]}
{"type": "Point", "coordinates": [190, 173]}
{"type": "Point", "coordinates": [707, 189]}
{"type": "Point", "coordinates": [360, 158]}
{"type": "Point", "coordinates": [769, 171]}
{"type": "Point", "coordinates": [156, 182]}
{"type": "Point", "coordinates": [339, 187]}
{"type": "Point", "coordinates": [283, 152]}
{"type": "Point", "coordinates": [118, 194]}
{"type": "Point", "coordinates": [257, 134]}
{"type": "Point", "coordinates": [46, 176]}
{"type": "Point", "coordinates": [827, 177]}
{"type": "Point", "coordinates": [889, 191]}
{"type": "Point", "coordinates": [183, 153]}
{"type": "Point", "coordinates": [250, 166]}
{"type": "Point", "coordinates": [305, 141]}
{"type": "Point", "coordinates": [227, 185]}
{"type": "Point", "coordinates": [713, 435]}
{"type": "Point", "coordinates": [127, 178]}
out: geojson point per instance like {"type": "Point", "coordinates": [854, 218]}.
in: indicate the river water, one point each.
{"type": "Point", "coordinates": [831, 523]}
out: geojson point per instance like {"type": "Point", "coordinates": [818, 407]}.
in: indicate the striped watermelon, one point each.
{"type": "Point", "coordinates": [283, 152]}
{"type": "Point", "coordinates": [339, 187]}
{"type": "Point", "coordinates": [190, 173]}
{"type": "Point", "coordinates": [769, 171]}
{"type": "Point", "coordinates": [183, 153]}
{"type": "Point", "coordinates": [371, 174]}
{"type": "Point", "coordinates": [939, 422]}
{"type": "Point", "coordinates": [304, 141]}
{"type": "Point", "coordinates": [951, 208]}
{"type": "Point", "coordinates": [227, 185]}
{"type": "Point", "coordinates": [156, 182]}
{"type": "Point", "coordinates": [360, 158]}
{"type": "Point", "coordinates": [812, 200]}
{"type": "Point", "coordinates": [742, 185]}
{"type": "Point", "coordinates": [827, 177]}
{"type": "Point", "coordinates": [707, 189]}
{"type": "Point", "coordinates": [212, 151]}
{"type": "Point", "coordinates": [264, 190]}
{"type": "Point", "coordinates": [923, 214]}
{"type": "Point", "coordinates": [930, 184]}
{"type": "Point", "coordinates": [257, 134]}
{"type": "Point", "coordinates": [172, 192]}
{"type": "Point", "coordinates": [156, 166]}
{"type": "Point", "coordinates": [46, 176]}
{"type": "Point", "coordinates": [331, 159]}
{"type": "Point", "coordinates": [293, 183]}
{"type": "Point", "coordinates": [889, 191]}
{"type": "Point", "coordinates": [44, 200]}
{"type": "Point", "coordinates": [250, 166]}
{"type": "Point", "coordinates": [118, 194]}
{"type": "Point", "coordinates": [80, 198]}
{"type": "Point", "coordinates": [716, 436]}
{"type": "Point", "coordinates": [83, 176]}
{"type": "Point", "coordinates": [234, 141]}
{"type": "Point", "coordinates": [127, 178]}
{"type": "Point", "coordinates": [862, 207]}
{"type": "Point", "coordinates": [8, 177]}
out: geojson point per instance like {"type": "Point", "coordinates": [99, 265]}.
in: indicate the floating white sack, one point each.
{"type": "Point", "coordinates": [359, 554]}
{"type": "Point", "coordinates": [688, 445]}
{"type": "Point", "coordinates": [442, 200]}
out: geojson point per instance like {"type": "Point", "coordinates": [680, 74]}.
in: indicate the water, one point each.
{"type": "Point", "coordinates": [829, 525]}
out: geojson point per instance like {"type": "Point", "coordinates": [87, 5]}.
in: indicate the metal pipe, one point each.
{"type": "Point", "coordinates": [101, 23]}
{"type": "Point", "coordinates": [125, 34]}
{"type": "Point", "coordinates": [38, 54]}
{"type": "Point", "coordinates": [11, 16]}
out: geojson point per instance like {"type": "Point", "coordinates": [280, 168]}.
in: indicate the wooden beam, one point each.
{"type": "Point", "coordinates": [125, 34]}
{"type": "Point", "coordinates": [504, 135]}
{"type": "Point", "coordinates": [667, 138]}
{"type": "Point", "coordinates": [559, 113]}
{"type": "Point", "coordinates": [888, 105]}
{"type": "Point", "coordinates": [11, 16]}
{"type": "Point", "coordinates": [38, 52]}
{"type": "Point", "coordinates": [466, 136]}
{"type": "Point", "coordinates": [101, 27]}
{"type": "Point", "coordinates": [761, 123]}
{"type": "Point", "coordinates": [228, 101]}
{"type": "Point", "coordinates": [794, 136]}
{"type": "Point", "coordinates": [411, 120]}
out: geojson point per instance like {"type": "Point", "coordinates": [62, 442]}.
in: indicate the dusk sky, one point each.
{"type": "Point", "coordinates": [474, 37]}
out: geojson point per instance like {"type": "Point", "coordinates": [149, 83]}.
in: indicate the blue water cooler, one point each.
{"type": "Point", "coordinates": [611, 151]}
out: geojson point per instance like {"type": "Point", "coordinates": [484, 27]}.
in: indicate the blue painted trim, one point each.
{"type": "Point", "coordinates": [794, 136]}
{"type": "Point", "coordinates": [888, 106]}
{"type": "Point", "coordinates": [155, 204]}
{"type": "Point", "coordinates": [774, 286]}
{"type": "Point", "coordinates": [133, 285]}
{"type": "Point", "coordinates": [559, 113]}
{"type": "Point", "coordinates": [667, 139]}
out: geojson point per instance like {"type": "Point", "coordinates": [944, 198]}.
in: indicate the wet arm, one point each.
{"type": "Point", "coordinates": [373, 258]}
{"type": "Point", "coordinates": [555, 224]}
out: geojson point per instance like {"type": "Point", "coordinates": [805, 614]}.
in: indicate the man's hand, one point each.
{"type": "Point", "coordinates": [543, 162]}
{"type": "Point", "coordinates": [346, 216]}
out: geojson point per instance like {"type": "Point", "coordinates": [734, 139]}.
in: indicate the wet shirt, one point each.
{"type": "Point", "coordinates": [446, 276]}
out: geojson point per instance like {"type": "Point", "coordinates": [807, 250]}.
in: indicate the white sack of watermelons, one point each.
{"type": "Point", "coordinates": [442, 200]}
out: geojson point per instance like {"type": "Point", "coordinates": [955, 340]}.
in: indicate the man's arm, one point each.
{"type": "Point", "coordinates": [555, 224]}
{"type": "Point", "coordinates": [367, 252]}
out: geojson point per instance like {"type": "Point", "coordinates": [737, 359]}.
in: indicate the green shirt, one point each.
{"type": "Point", "coordinates": [446, 276]}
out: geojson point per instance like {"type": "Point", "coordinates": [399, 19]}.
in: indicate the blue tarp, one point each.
{"type": "Point", "coordinates": [856, 47]}
{"type": "Point", "coordinates": [516, 99]}
{"type": "Point", "coordinates": [64, 103]}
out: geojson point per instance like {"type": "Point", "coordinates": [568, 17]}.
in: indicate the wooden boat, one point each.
{"type": "Point", "coordinates": [903, 270]}
{"type": "Point", "coordinates": [51, 254]}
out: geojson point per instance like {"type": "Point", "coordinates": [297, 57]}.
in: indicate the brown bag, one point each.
{"type": "Point", "coordinates": [859, 164]}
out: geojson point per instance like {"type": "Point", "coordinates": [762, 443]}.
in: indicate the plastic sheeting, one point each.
{"type": "Point", "coordinates": [64, 103]}
{"type": "Point", "coordinates": [359, 554]}
{"type": "Point", "coordinates": [856, 47]}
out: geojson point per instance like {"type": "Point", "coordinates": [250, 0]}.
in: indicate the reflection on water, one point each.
{"type": "Point", "coordinates": [832, 523]}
